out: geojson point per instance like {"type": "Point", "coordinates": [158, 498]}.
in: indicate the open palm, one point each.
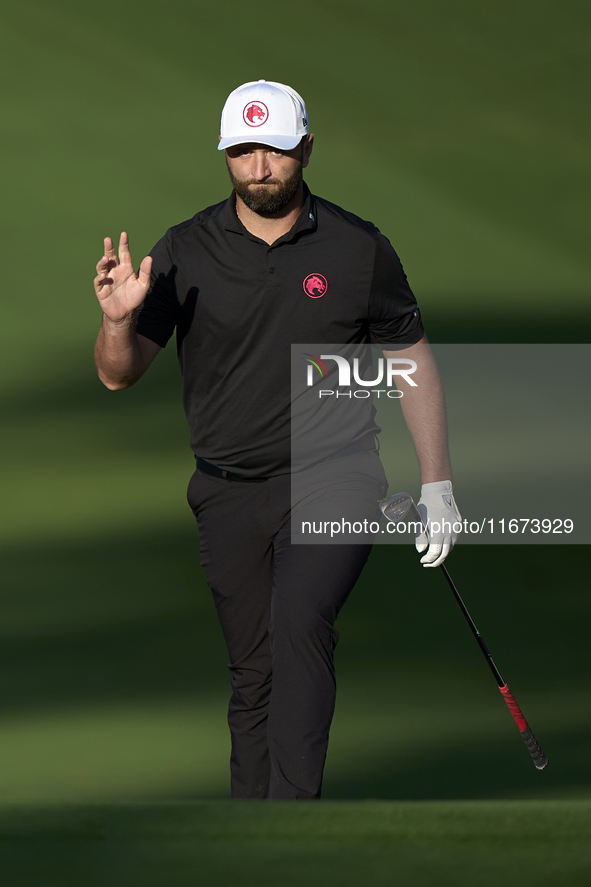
{"type": "Point", "coordinates": [118, 288]}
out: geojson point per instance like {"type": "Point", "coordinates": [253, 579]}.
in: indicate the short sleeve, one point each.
{"type": "Point", "coordinates": [394, 316]}
{"type": "Point", "coordinates": [158, 315]}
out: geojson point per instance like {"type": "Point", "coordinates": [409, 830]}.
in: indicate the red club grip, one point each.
{"type": "Point", "coordinates": [513, 708]}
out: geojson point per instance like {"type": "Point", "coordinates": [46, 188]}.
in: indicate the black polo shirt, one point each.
{"type": "Point", "coordinates": [238, 304]}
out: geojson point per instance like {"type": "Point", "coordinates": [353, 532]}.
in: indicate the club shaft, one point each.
{"type": "Point", "coordinates": [475, 632]}
{"type": "Point", "coordinates": [486, 652]}
{"type": "Point", "coordinates": [396, 508]}
{"type": "Point", "coordinates": [539, 758]}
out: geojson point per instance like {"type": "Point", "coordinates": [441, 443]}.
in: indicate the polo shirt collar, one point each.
{"type": "Point", "coordinates": [230, 219]}
{"type": "Point", "coordinates": [306, 221]}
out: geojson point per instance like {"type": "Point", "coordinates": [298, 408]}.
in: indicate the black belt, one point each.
{"type": "Point", "coordinates": [365, 443]}
{"type": "Point", "coordinates": [208, 468]}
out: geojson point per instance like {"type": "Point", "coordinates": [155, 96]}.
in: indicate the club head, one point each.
{"type": "Point", "coordinates": [395, 508]}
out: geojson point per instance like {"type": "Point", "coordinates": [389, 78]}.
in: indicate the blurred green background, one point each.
{"type": "Point", "coordinates": [462, 130]}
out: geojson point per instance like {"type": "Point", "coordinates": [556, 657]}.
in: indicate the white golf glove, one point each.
{"type": "Point", "coordinates": [442, 519]}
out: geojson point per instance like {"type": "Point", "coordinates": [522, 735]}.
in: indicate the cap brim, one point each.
{"type": "Point", "coordinates": [283, 142]}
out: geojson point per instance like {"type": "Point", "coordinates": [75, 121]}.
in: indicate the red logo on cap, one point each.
{"type": "Point", "coordinates": [315, 285]}
{"type": "Point", "coordinates": [255, 114]}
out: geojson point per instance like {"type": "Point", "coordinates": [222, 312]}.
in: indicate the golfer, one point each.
{"type": "Point", "coordinates": [241, 281]}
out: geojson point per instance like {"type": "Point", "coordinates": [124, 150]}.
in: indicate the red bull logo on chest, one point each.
{"type": "Point", "coordinates": [255, 114]}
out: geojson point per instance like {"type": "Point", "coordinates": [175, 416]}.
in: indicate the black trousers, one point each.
{"type": "Point", "coordinates": [277, 603]}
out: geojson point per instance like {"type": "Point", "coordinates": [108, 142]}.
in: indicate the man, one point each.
{"type": "Point", "coordinates": [241, 281]}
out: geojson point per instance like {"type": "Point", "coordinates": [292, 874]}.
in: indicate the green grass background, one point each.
{"type": "Point", "coordinates": [462, 130]}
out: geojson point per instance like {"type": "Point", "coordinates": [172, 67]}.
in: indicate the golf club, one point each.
{"type": "Point", "coordinates": [396, 508]}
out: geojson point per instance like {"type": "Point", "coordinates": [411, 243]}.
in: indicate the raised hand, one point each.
{"type": "Point", "coordinates": [118, 288]}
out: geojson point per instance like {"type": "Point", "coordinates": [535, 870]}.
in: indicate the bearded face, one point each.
{"type": "Point", "coordinates": [270, 196]}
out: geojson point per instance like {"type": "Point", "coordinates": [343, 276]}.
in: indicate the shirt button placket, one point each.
{"type": "Point", "coordinates": [270, 265]}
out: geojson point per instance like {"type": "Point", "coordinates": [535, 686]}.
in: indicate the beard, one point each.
{"type": "Point", "coordinates": [270, 197]}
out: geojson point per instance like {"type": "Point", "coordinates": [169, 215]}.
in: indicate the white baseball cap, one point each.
{"type": "Point", "coordinates": [265, 112]}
